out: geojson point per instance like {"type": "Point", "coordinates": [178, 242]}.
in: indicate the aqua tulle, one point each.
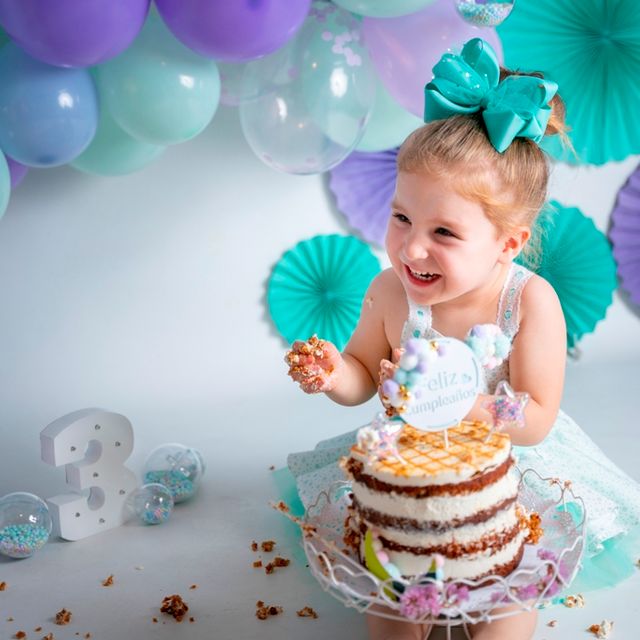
{"type": "Point", "coordinates": [577, 261]}
{"type": "Point", "coordinates": [591, 48]}
{"type": "Point", "coordinates": [318, 288]}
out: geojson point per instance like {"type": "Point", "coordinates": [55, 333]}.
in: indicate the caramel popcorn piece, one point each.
{"type": "Point", "coordinates": [3, 586]}
{"type": "Point", "coordinates": [175, 606]}
{"type": "Point", "coordinates": [307, 612]}
{"type": "Point", "coordinates": [63, 617]}
{"type": "Point", "coordinates": [534, 525]}
{"type": "Point", "coordinates": [263, 611]}
{"type": "Point", "coordinates": [257, 564]}
{"type": "Point", "coordinates": [108, 581]}
{"type": "Point", "coordinates": [19, 635]}
{"type": "Point", "coordinates": [602, 630]}
{"type": "Point", "coordinates": [254, 546]}
{"type": "Point", "coordinates": [267, 545]}
{"type": "Point", "coordinates": [574, 601]}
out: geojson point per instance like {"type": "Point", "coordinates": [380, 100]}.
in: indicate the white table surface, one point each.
{"type": "Point", "coordinates": [207, 540]}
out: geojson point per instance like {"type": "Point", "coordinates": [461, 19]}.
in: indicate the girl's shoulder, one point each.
{"type": "Point", "coordinates": [387, 284]}
{"type": "Point", "coordinates": [539, 299]}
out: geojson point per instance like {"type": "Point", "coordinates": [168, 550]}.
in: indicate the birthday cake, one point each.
{"type": "Point", "coordinates": [448, 503]}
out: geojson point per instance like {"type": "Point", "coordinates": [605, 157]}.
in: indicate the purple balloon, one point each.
{"type": "Point", "coordinates": [17, 171]}
{"type": "Point", "coordinates": [73, 33]}
{"type": "Point", "coordinates": [233, 30]}
{"type": "Point", "coordinates": [404, 50]}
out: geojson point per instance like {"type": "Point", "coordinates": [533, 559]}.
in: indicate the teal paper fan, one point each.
{"type": "Point", "coordinates": [318, 288]}
{"type": "Point", "coordinates": [591, 48]}
{"type": "Point", "coordinates": [577, 261]}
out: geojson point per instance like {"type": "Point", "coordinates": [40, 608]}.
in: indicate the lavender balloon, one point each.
{"type": "Point", "coordinates": [17, 171]}
{"type": "Point", "coordinates": [73, 33]}
{"type": "Point", "coordinates": [234, 30]}
{"type": "Point", "coordinates": [404, 50]}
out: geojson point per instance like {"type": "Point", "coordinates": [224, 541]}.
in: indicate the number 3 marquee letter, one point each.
{"type": "Point", "coordinates": [93, 444]}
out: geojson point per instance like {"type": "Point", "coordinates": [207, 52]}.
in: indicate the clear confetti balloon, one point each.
{"type": "Point", "coordinates": [25, 524]}
{"type": "Point", "coordinates": [177, 467]}
{"type": "Point", "coordinates": [484, 13]}
{"type": "Point", "coordinates": [153, 503]}
{"type": "Point", "coordinates": [310, 100]}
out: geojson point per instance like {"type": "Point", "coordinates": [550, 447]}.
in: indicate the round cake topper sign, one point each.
{"type": "Point", "coordinates": [446, 389]}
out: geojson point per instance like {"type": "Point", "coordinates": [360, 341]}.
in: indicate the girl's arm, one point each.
{"type": "Point", "coordinates": [350, 378]}
{"type": "Point", "coordinates": [537, 362]}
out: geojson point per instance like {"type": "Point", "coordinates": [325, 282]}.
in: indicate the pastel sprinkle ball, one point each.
{"type": "Point", "coordinates": [155, 515]}
{"type": "Point", "coordinates": [22, 540]}
{"type": "Point", "coordinates": [178, 484]}
{"type": "Point", "coordinates": [484, 13]}
{"type": "Point", "coordinates": [412, 368]}
{"type": "Point", "coordinates": [489, 344]}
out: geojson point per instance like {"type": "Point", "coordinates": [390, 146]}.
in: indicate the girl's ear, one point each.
{"type": "Point", "coordinates": [514, 241]}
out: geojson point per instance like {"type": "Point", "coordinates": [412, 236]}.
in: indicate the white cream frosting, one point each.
{"type": "Point", "coordinates": [468, 566]}
{"type": "Point", "coordinates": [503, 520]}
{"type": "Point", "coordinates": [442, 508]}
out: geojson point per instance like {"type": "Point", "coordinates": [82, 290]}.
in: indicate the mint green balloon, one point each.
{"type": "Point", "coordinates": [389, 123]}
{"type": "Point", "coordinates": [5, 184]}
{"type": "Point", "coordinates": [158, 90]}
{"type": "Point", "coordinates": [113, 152]}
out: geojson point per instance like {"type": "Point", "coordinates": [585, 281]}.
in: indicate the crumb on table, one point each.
{"type": "Point", "coordinates": [3, 586]}
{"type": "Point", "coordinates": [19, 635]}
{"type": "Point", "coordinates": [257, 564]}
{"type": "Point", "coordinates": [254, 546]}
{"type": "Point", "coordinates": [263, 611]}
{"type": "Point", "coordinates": [63, 617]}
{"type": "Point", "coordinates": [267, 545]}
{"type": "Point", "coordinates": [574, 601]}
{"type": "Point", "coordinates": [193, 586]}
{"type": "Point", "coordinates": [174, 606]}
{"type": "Point", "coordinates": [108, 581]}
{"type": "Point", "coordinates": [307, 612]}
{"type": "Point", "coordinates": [602, 630]}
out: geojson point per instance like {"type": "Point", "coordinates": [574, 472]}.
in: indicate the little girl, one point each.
{"type": "Point", "coordinates": [469, 187]}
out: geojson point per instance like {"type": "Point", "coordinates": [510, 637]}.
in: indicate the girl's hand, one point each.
{"type": "Point", "coordinates": [387, 370]}
{"type": "Point", "coordinates": [314, 364]}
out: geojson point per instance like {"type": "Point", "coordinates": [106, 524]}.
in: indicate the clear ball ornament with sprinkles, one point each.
{"type": "Point", "coordinates": [152, 503]}
{"type": "Point", "coordinates": [25, 524]}
{"type": "Point", "coordinates": [177, 467]}
{"type": "Point", "coordinates": [484, 13]}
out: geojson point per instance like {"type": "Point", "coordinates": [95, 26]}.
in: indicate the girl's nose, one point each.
{"type": "Point", "coordinates": [415, 248]}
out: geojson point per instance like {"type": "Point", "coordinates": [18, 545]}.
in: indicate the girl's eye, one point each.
{"type": "Point", "coordinates": [442, 231]}
{"type": "Point", "coordinates": [401, 217]}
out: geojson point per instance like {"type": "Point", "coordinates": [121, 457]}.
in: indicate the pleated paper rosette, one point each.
{"type": "Point", "coordinates": [577, 261]}
{"type": "Point", "coordinates": [625, 236]}
{"type": "Point", "coordinates": [318, 288]}
{"type": "Point", "coordinates": [363, 185]}
{"type": "Point", "coordinates": [591, 48]}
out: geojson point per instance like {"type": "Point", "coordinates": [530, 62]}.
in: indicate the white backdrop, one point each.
{"type": "Point", "coordinates": [145, 295]}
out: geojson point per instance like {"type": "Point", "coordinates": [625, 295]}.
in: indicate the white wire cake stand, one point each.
{"type": "Point", "coordinates": [545, 569]}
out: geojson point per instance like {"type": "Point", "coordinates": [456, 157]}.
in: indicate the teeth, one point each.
{"type": "Point", "coordinates": [423, 276]}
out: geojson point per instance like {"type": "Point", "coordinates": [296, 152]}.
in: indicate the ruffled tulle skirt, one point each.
{"type": "Point", "coordinates": [611, 497]}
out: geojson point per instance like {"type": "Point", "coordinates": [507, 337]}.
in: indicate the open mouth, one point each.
{"type": "Point", "coordinates": [421, 277]}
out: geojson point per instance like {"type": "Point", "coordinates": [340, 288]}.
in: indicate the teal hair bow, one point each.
{"type": "Point", "coordinates": [468, 83]}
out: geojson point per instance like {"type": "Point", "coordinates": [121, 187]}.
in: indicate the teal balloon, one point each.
{"type": "Point", "coordinates": [158, 90]}
{"type": "Point", "coordinates": [383, 8]}
{"type": "Point", "coordinates": [5, 184]}
{"type": "Point", "coordinates": [389, 123]}
{"type": "Point", "coordinates": [113, 152]}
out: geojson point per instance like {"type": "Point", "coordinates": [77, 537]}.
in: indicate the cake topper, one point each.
{"type": "Point", "coordinates": [435, 385]}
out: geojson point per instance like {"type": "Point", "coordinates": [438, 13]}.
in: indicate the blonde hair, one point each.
{"type": "Point", "coordinates": [510, 186]}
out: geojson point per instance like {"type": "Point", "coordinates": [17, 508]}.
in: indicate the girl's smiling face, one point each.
{"type": "Point", "coordinates": [441, 245]}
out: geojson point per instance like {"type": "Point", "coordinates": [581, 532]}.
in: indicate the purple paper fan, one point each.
{"type": "Point", "coordinates": [625, 235]}
{"type": "Point", "coordinates": [363, 185]}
